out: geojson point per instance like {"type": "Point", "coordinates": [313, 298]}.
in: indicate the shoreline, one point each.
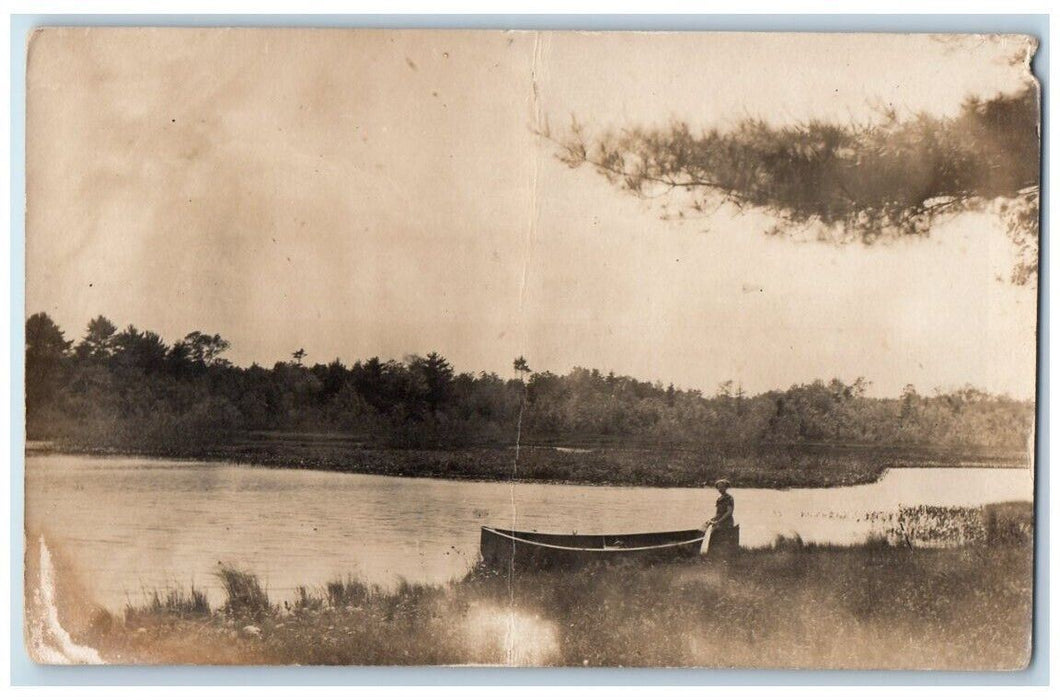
{"type": "Point", "coordinates": [458, 464]}
{"type": "Point", "coordinates": [848, 597]}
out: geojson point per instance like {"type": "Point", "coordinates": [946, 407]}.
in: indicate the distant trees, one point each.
{"type": "Point", "coordinates": [203, 348]}
{"type": "Point", "coordinates": [436, 375]}
{"type": "Point", "coordinates": [45, 341]}
{"type": "Point", "coordinates": [47, 352]}
{"type": "Point", "coordinates": [98, 343]}
{"type": "Point", "coordinates": [843, 181]}
{"type": "Point", "coordinates": [129, 389]}
{"type": "Point", "coordinates": [144, 350]}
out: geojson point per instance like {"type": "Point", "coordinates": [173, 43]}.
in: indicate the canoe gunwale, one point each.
{"type": "Point", "coordinates": [513, 537]}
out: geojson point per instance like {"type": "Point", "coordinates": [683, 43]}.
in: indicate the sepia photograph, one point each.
{"type": "Point", "coordinates": [426, 347]}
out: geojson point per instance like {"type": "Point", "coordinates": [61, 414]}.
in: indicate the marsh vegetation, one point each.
{"type": "Point", "coordinates": [789, 605]}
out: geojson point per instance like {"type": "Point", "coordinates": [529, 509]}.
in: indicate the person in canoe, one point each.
{"type": "Point", "coordinates": [724, 532]}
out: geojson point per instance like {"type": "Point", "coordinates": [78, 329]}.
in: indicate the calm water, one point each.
{"type": "Point", "coordinates": [134, 523]}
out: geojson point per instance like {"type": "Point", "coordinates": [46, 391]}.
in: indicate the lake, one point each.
{"type": "Point", "coordinates": [130, 524]}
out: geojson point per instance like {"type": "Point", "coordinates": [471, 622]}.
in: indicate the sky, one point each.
{"type": "Point", "coordinates": [359, 193]}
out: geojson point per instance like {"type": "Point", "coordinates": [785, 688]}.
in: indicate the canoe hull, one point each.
{"type": "Point", "coordinates": [531, 551]}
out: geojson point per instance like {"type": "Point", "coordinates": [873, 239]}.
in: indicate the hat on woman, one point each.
{"type": "Point", "coordinates": [722, 483]}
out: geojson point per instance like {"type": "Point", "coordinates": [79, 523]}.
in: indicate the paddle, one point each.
{"type": "Point", "coordinates": [707, 527]}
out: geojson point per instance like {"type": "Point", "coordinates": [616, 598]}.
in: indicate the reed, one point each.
{"type": "Point", "coordinates": [174, 600]}
{"type": "Point", "coordinates": [244, 595]}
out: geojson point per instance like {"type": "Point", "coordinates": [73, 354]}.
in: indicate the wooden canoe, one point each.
{"type": "Point", "coordinates": [503, 549]}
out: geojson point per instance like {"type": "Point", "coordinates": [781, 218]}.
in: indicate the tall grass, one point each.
{"type": "Point", "coordinates": [244, 595]}
{"type": "Point", "coordinates": [174, 600]}
{"type": "Point", "coordinates": [871, 606]}
{"type": "Point", "coordinates": [345, 593]}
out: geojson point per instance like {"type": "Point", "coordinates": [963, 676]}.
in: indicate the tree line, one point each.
{"type": "Point", "coordinates": [129, 389]}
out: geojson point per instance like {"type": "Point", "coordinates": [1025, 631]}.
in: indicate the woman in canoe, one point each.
{"type": "Point", "coordinates": [724, 533]}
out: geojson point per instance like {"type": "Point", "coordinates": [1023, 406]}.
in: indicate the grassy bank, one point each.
{"type": "Point", "coordinates": [596, 462]}
{"type": "Point", "coordinates": [789, 606]}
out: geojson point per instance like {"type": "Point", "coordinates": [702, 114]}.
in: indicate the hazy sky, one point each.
{"type": "Point", "coordinates": [363, 193]}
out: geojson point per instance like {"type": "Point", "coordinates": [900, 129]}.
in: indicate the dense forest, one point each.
{"type": "Point", "coordinates": [128, 389]}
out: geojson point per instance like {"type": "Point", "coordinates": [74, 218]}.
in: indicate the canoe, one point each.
{"type": "Point", "coordinates": [504, 549]}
